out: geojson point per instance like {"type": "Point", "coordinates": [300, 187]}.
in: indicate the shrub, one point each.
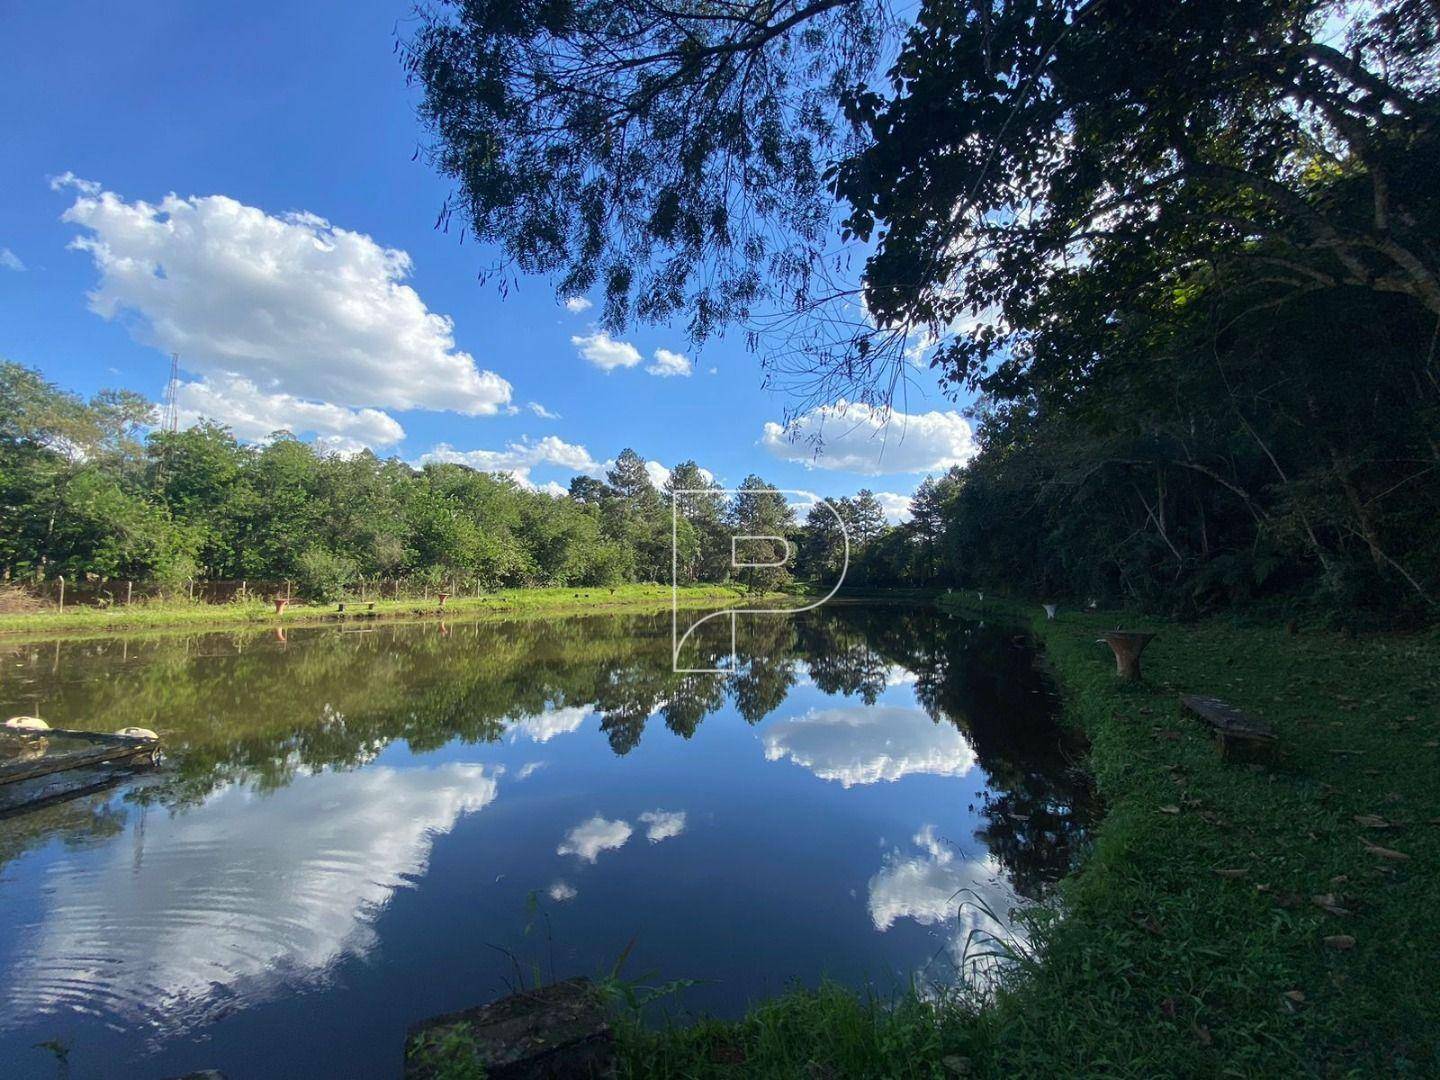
{"type": "Point", "coordinates": [322, 575]}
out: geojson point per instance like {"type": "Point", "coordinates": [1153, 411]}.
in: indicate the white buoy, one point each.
{"type": "Point", "coordinates": [137, 733]}
{"type": "Point", "coordinates": [27, 723]}
{"type": "Point", "coordinates": [1050, 610]}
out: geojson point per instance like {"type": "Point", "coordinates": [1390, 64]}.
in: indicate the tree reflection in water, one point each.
{"type": "Point", "coordinates": [245, 709]}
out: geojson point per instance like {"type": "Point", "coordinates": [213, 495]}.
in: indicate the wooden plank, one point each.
{"type": "Point", "coordinates": [105, 748]}
{"type": "Point", "coordinates": [32, 794]}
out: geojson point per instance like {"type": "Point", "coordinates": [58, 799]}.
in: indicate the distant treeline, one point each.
{"type": "Point", "coordinates": [1296, 467]}
{"type": "Point", "coordinates": [84, 495]}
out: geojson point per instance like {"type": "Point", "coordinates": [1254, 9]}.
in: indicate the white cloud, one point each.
{"type": "Point", "coordinates": [10, 261]}
{"type": "Point", "coordinates": [276, 889]}
{"type": "Point", "coordinates": [896, 506]}
{"type": "Point", "coordinates": [663, 824]}
{"type": "Point", "coordinates": [69, 179]}
{"type": "Point", "coordinates": [529, 769]}
{"type": "Point", "coordinates": [561, 891]}
{"type": "Point", "coordinates": [292, 303]}
{"type": "Point", "coordinates": [937, 887]}
{"type": "Point", "coordinates": [547, 725]}
{"type": "Point", "coordinates": [658, 473]}
{"type": "Point", "coordinates": [859, 745]}
{"type": "Point", "coordinates": [518, 458]}
{"type": "Point", "coordinates": [930, 888]}
{"type": "Point", "coordinates": [863, 439]}
{"type": "Point", "coordinates": [590, 838]}
{"type": "Point", "coordinates": [922, 887]}
{"type": "Point", "coordinates": [254, 414]}
{"type": "Point", "coordinates": [605, 352]}
{"type": "Point", "coordinates": [668, 364]}
{"type": "Point", "coordinates": [541, 411]}
{"type": "Point", "coordinates": [576, 304]}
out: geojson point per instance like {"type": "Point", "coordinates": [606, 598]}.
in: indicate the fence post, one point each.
{"type": "Point", "coordinates": [62, 592]}
{"type": "Point", "coordinates": [129, 590]}
{"type": "Point", "coordinates": [192, 590]}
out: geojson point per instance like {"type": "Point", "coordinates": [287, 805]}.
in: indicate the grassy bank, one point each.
{"type": "Point", "coordinates": [1229, 920]}
{"type": "Point", "coordinates": [508, 603]}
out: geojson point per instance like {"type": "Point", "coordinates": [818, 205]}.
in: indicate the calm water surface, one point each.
{"type": "Point", "coordinates": [357, 829]}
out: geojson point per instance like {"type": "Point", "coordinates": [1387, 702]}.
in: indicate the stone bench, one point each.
{"type": "Point", "coordinates": [1238, 736]}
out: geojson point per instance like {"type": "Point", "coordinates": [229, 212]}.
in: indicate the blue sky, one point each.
{"type": "Point", "coordinates": [285, 134]}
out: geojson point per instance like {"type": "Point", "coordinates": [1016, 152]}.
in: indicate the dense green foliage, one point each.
{"type": "Point", "coordinates": [82, 495]}
{"type": "Point", "coordinates": [1296, 464]}
{"type": "Point", "coordinates": [1198, 290]}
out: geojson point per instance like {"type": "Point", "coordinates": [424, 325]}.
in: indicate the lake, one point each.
{"type": "Point", "coordinates": [357, 826]}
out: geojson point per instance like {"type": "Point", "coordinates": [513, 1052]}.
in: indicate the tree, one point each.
{"type": "Point", "coordinates": [588, 490]}
{"type": "Point", "coordinates": [629, 479]}
{"type": "Point", "coordinates": [702, 541]}
{"type": "Point", "coordinates": [671, 154]}
{"type": "Point", "coordinates": [867, 518]}
{"type": "Point", "coordinates": [760, 511]}
{"type": "Point", "coordinates": [823, 545]}
{"type": "Point", "coordinates": [1232, 135]}
{"type": "Point", "coordinates": [1004, 149]}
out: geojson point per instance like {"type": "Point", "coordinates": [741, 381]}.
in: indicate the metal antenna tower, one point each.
{"type": "Point", "coordinates": [171, 419]}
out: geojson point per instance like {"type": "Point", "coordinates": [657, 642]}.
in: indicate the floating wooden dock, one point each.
{"type": "Point", "coordinates": [38, 767]}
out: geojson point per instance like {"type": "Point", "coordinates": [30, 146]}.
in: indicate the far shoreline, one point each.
{"type": "Point", "coordinates": [531, 603]}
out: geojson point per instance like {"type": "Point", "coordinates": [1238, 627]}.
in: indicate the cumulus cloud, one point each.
{"type": "Point", "coordinates": [10, 261]}
{"type": "Point", "coordinates": [541, 411]}
{"type": "Point", "coordinates": [928, 886]}
{"type": "Point", "coordinates": [547, 725]}
{"type": "Point", "coordinates": [290, 302]}
{"type": "Point", "coordinates": [576, 304]}
{"type": "Point", "coordinates": [937, 887]}
{"type": "Point", "coordinates": [668, 364]}
{"type": "Point", "coordinates": [518, 458]}
{"type": "Point", "coordinates": [605, 352]}
{"type": "Point", "coordinates": [859, 745]}
{"type": "Point", "coordinates": [254, 414]}
{"type": "Point", "coordinates": [896, 506]}
{"type": "Point", "coordinates": [561, 891]}
{"type": "Point", "coordinates": [663, 824]}
{"type": "Point", "coordinates": [529, 769]}
{"type": "Point", "coordinates": [860, 438]}
{"type": "Point", "coordinates": [658, 473]}
{"type": "Point", "coordinates": [590, 838]}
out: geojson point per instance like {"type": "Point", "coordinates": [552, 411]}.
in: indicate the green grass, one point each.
{"type": "Point", "coordinates": [506, 603]}
{"type": "Point", "coordinates": [1153, 962]}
